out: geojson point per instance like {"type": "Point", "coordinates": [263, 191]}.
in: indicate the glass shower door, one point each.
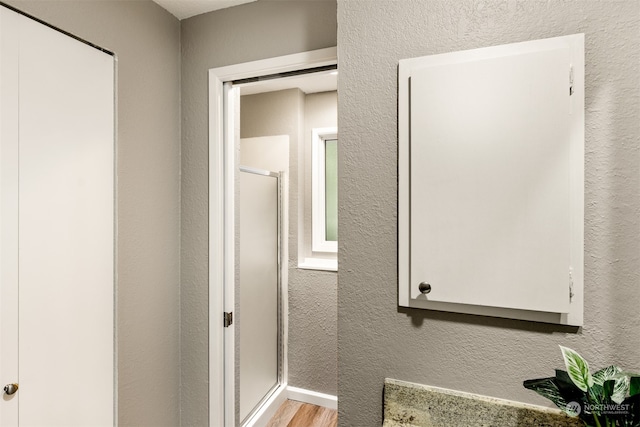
{"type": "Point", "coordinates": [259, 277]}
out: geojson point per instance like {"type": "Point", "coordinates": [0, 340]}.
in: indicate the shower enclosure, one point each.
{"type": "Point", "coordinates": [259, 276]}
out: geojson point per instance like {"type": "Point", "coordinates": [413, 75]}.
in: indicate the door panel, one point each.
{"type": "Point", "coordinates": [259, 289]}
{"type": "Point", "coordinates": [490, 187]}
{"type": "Point", "coordinates": [66, 230]}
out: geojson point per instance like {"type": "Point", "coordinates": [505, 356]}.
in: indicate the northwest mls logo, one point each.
{"type": "Point", "coordinates": [574, 409]}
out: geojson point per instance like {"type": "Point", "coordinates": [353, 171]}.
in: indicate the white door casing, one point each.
{"type": "Point", "coordinates": [223, 131]}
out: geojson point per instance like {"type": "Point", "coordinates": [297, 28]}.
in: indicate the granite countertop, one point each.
{"type": "Point", "coordinates": [415, 405]}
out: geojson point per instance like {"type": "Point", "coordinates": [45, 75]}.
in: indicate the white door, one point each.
{"type": "Point", "coordinates": [57, 227]}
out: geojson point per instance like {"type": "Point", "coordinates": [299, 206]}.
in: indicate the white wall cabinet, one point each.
{"type": "Point", "coordinates": [491, 181]}
{"type": "Point", "coordinates": [56, 227]}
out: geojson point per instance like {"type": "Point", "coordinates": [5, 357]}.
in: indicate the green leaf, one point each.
{"type": "Point", "coordinates": [597, 393]}
{"type": "Point", "coordinates": [634, 385]}
{"type": "Point", "coordinates": [608, 373]}
{"type": "Point", "coordinates": [620, 389]}
{"type": "Point", "coordinates": [577, 368]}
{"type": "Point", "coordinates": [617, 390]}
{"type": "Point", "coordinates": [568, 389]}
{"type": "Point", "coordinates": [547, 388]}
{"type": "Point", "coordinates": [608, 388]}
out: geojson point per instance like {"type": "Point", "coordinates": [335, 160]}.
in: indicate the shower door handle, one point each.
{"type": "Point", "coordinates": [11, 388]}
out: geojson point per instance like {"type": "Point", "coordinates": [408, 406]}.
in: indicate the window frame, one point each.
{"type": "Point", "coordinates": [319, 243]}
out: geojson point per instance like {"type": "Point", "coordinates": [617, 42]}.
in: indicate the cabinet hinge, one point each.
{"type": "Point", "coordinates": [227, 319]}
{"type": "Point", "coordinates": [570, 80]}
{"type": "Point", "coordinates": [570, 284]}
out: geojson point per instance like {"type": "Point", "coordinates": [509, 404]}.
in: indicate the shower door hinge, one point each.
{"type": "Point", "coordinates": [228, 319]}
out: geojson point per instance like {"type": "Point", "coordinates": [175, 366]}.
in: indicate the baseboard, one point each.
{"type": "Point", "coordinates": [313, 397]}
{"type": "Point", "coordinates": [269, 408]}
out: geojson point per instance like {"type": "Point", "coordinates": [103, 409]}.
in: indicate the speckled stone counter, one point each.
{"type": "Point", "coordinates": [415, 405]}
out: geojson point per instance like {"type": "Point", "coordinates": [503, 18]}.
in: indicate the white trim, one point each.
{"type": "Point", "coordinates": [221, 235]}
{"type": "Point", "coordinates": [319, 242]}
{"type": "Point", "coordinates": [294, 62]}
{"type": "Point", "coordinates": [319, 264]}
{"type": "Point", "coordinates": [116, 233]}
{"type": "Point", "coordinates": [269, 408]}
{"type": "Point", "coordinates": [313, 397]}
{"type": "Point", "coordinates": [576, 203]}
{"type": "Point", "coordinates": [284, 392]}
{"type": "Point", "coordinates": [216, 251]}
{"type": "Point", "coordinates": [231, 100]}
{"type": "Point", "coordinates": [284, 278]}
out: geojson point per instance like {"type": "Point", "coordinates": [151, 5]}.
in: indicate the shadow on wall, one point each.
{"type": "Point", "coordinates": [418, 316]}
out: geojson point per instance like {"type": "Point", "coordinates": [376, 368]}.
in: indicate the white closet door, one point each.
{"type": "Point", "coordinates": [66, 230]}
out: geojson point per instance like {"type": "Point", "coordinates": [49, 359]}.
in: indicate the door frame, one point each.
{"type": "Point", "coordinates": [222, 402]}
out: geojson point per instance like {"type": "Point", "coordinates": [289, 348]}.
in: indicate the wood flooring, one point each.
{"type": "Point", "coordinates": [297, 414]}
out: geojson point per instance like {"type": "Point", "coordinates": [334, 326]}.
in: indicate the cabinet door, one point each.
{"type": "Point", "coordinates": [492, 144]}
{"type": "Point", "coordinates": [65, 223]}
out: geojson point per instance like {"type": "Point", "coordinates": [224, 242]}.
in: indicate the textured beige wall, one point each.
{"type": "Point", "coordinates": [249, 32]}
{"type": "Point", "coordinates": [146, 40]}
{"type": "Point", "coordinates": [472, 353]}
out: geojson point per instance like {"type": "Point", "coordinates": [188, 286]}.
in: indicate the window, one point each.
{"type": "Point", "coordinates": [318, 183]}
{"type": "Point", "coordinates": [324, 190]}
{"type": "Point", "coordinates": [319, 249]}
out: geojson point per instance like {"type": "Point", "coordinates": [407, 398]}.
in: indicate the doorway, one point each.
{"type": "Point", "coordinates": [226, 188]}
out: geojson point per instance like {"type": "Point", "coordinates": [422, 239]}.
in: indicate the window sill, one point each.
{"type": "Point", "coordinates": [319, 264]}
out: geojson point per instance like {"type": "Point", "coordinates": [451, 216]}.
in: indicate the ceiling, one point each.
{"type": "Point", "coordinates": [183, 9]}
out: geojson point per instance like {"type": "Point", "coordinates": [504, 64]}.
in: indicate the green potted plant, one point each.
{"type": "Point", "coordinates": [608, 398]}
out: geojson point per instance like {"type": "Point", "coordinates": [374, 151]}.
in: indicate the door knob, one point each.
{"type": "Point", "coordinates": [11, 388]}
{"type": "Point", "coordinates": [424, 287]}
